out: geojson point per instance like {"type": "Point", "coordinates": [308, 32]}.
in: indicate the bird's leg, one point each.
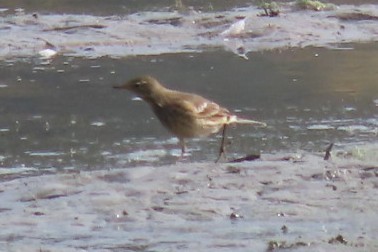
{"type": "Point", "coordinates": [183, 147]}
{"type": "Point", "coordinates": [222, 150]}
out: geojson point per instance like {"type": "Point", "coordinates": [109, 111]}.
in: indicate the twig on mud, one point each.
{"type": "Point", "coordinates": [64, 28]}
{"type": "Point", "coordinates": [250, 157]}
{"type": "Point", "coordinates": [48, 44]}
{"type": "Point", "coordinates": [328, 152]}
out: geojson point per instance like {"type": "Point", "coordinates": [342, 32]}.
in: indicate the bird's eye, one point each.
{"type": "Point", "coordinates": [139, 84]}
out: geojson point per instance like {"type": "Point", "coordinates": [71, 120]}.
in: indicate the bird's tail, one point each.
{"type": "Point", "coordinates": [247, 121]}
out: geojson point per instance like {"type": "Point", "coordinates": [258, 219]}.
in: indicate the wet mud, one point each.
{"type": "Point", "coordinates": [291, 202]}
{"type": "Point", "coordinates": [240, 30]}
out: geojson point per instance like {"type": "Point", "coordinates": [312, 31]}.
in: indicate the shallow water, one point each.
{"type": "Point", "coordinates": [65, 115]}
{"type": "Point", "coordinates": [119, 7]}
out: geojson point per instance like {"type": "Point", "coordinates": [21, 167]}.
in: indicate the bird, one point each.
{"type": "Point", "coordinates": [185, 115]}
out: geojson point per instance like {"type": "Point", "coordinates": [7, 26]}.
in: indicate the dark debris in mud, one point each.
{"type": "Point", "coordinates": [174, 21]}
{"type": "Point", "coordinates": [235, 216]}
{"type": "Point", "coordinates": [66, 28]}
{"type": "Point", "coordinates": [284, 229]}
{"type": "Point", "coordinates": [356, 16]}
{"type": "Point", "coordinates": [250, 157]}
{"type": "Point", "coordinates": [282, 245]}
{"type": "Point", "coordinates": [339, 239]}
{"type": "Point", "coordinates": [328, 152]}
{"type": "Point", "coordinates": [271, 9]}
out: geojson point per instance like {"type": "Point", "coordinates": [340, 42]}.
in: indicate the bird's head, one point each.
{"type": "Point", "coordinates": [144, 87]}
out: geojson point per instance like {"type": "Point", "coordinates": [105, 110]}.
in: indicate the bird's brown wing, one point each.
{"type": "Point", "coordinates": [201, 107]}
{"type": "Point", "coordinates": [209, 112]}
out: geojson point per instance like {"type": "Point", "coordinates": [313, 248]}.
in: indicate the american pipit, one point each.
{"type": "Point", "coordinates": [186, 115]}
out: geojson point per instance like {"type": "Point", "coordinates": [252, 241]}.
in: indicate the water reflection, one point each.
{"type": "Point", "coordinates": [65, 115]}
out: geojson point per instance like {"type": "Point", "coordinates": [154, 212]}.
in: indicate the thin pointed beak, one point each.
{"type": "Point", "coordinates": [122, 86]}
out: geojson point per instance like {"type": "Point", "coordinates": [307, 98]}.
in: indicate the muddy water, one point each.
{"type": "Point", "coordinates": [65, 115]}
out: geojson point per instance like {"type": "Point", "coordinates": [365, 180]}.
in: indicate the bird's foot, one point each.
{"type": "Point", "coordinates": [222, 154]}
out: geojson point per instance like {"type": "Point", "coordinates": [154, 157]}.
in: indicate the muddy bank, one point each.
{"type": "Point", "coordinates": [294, 201]}
{"type": "Point", "coordinates": [147, 33]}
